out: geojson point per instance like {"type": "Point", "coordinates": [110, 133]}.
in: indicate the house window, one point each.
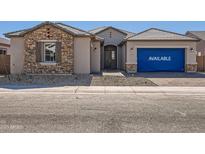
{"type": "Point", "coordinates": [113, 55]}
{"type": "Point", "coordinates": [110, 34]}
{"type": "Point", "coordinates": [3, 51]}
{"type": "Point", "coordinates": [50, 52]}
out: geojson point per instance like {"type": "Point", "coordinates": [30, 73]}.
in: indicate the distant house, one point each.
{"type": "Point", "coordinates": [56, 48]}
{"type": "Point", "coordinates": [200, 46]}
{"type": "Point", "coordinates": [4, 56]}
{"type": "Point", "coordinates": [4, 46]}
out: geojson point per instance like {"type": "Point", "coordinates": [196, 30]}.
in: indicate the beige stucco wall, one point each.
{"type": "Point", "coordinates": [17, 55]}
{"type": "Point", "coordinates": [190, 57]}
{"type": "Point", "coordinates": [82, 55]}
{"type": "Point", "coordinates": [115, 39]}
{"type": "Point", "coordinates": [95, 57]}
{"type": "Point", "coordinates": [119, 57]}
{"type": "Point", "coordinates": [123, 56]}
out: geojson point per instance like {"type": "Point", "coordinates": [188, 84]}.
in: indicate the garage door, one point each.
{"type": "Point", "coordinates": [161, 59]}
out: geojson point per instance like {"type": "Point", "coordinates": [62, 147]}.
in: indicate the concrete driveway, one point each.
{"type": "Point", "coordinates": [175, 79]}
{"type": "Point", "coordinates": [104, 109]}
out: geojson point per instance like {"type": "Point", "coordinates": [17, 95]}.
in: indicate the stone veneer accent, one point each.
{"type": "Point", "coordinates": [48, 32]}
{"type": "Point", "coordinates": [191, 67]}
{"type": "Point", "coordinates": [131, 68]}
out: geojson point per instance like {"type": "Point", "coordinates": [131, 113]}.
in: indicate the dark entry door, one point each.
{"type": "Point", "coordinates": [110, 57]}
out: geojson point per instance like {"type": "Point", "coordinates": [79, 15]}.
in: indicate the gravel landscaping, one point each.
{"type": "Point", "coordinates": [107, 79]}
{"type": "Point", "coordinates": [74, 80]}
{"type": "Point", "coordinates": [175, 78]}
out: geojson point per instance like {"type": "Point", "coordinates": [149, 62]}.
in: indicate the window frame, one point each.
{"type": "Point", "coordinates": [44, 52]}
{"type": "Point", "coordinates": [4, 51]}
{"type": "Point", "coordinates": [113, 55]}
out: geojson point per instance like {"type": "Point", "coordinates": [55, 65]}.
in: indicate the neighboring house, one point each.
{"type": "Point", "coordinates": [200, 46]}
{"type": "Point", "coordinates": [56, 48]}
{"type": "Point", "coordinates": [4, 46]}
{"type": "Point", "coordinates": [4, 56]}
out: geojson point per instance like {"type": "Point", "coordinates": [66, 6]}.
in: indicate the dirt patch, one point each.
{"type": "Point", "coordinates": [175, 78]}
{"type": "Point", "coordinates": [199, 82]}
{"type": "Point", "coordinates": [121, 81]}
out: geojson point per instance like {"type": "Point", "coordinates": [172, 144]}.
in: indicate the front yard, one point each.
{"type": "Point", "coordinates": [139, 79]}
{"type": "Point", "coordinates": [74, 80]}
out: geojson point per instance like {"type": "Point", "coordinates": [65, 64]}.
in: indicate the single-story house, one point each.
{"type": "Point", "coordinates": [56, 48]}
{"type": "Point", "coordinates": [200, 46]}
{"type": "Point", "coordinates": [4, 46]}
{"type": "Point", "coordinates": [4, 57]}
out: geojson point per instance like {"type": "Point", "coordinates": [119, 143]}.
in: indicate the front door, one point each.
{"type": "Point", "coordinates": [110, 54]}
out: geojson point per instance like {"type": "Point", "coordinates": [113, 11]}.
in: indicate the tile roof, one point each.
{"type": "Point", "coordinates": [100, 29]}
{"type": "Point", "coordinates": [67, 28]}
{"type": "Point", "coordinates": [198, 34]}
{"type": "Point", "coordinates": [4, 41]}
{"type": "Point", "coordinates": [16, 33]}
{"type": "Point", "coordinates": [76, 31]}
{"type": "Point", "coordinates": [158, 34]}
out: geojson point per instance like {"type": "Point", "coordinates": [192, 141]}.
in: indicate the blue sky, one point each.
{"type": "Point", "coordinates": [134, 26]}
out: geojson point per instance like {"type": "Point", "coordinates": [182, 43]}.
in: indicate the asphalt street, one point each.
{"type": "Point", "coordinates": [111, 110]}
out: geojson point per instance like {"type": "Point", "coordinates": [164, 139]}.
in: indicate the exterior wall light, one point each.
{"type": "Point", "coordinates": [193, 51]}
{"type": "Point", "coordinates": [94, 49]}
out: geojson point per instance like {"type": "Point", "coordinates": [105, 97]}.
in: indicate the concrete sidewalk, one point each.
{"type": "Point", "coordinates": [107, 90]}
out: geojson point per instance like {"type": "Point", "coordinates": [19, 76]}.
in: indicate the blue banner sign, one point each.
{"type": "Point", "coordinates": [161, 59]}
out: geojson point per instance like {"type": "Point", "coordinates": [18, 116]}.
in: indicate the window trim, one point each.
{"type": "Point", "coordinates": [44, 53]}
{"type": "Point", "coordinates": [48, 63]}
{"type": "Point", "coordinates": [48, 41]}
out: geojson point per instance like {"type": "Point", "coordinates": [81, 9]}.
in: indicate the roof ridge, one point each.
{"type": "Point", "coordinates": [27, 29]}
{"type": "Point", "coordinates": [5, 34]}
{"type": "Point", "coordinates": [170, 32]}
{"type": "Point", "coordinates": [48, 22]}
{"type": "Point", "coordinates": [73, 27]}
{"type": "Point", "coordinates": [107, 27]}
{"type": "Point", "coordinates": [196, 31]}
{"type": "Point", "coordinates": [98, 28]}
{"type": "Point", "coordinates": [126, 31]}
{"type": "Point", "coordinates": [166, 31]}
{"type": "Point", "coordinates": [44, 23]}
{"type": "Point", "coordinates": [194, 35]}
{"type": "Point", "coordinates": [139, 33]}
